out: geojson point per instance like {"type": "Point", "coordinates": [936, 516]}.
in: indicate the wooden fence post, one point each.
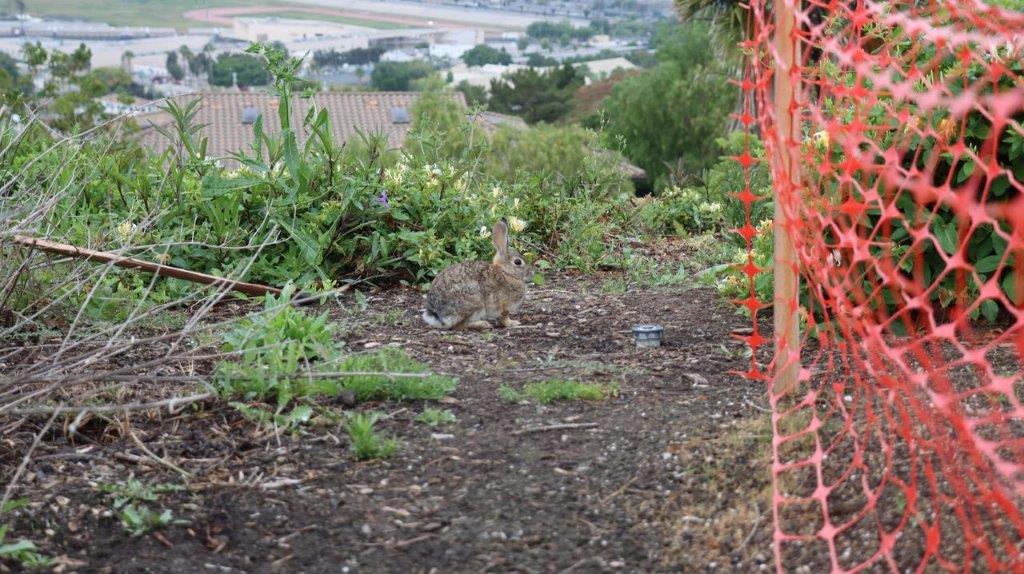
{"type": "Point", "coordinates": [787, 125]}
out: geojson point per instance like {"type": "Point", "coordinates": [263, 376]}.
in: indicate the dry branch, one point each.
{"type": "Point", "coordinates": [155, 268]}
{"type": "Point", "coordinates": [555, 427]}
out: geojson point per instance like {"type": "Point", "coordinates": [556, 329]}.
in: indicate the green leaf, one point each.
{"type": "Point", "coordinates": [988, 264]}
{"type": "Point", "coordinates": [1010, 288]}
{"type": "Point", "coordinates": [946, 235]}
{"type": "Point", "coordinates": [990, 310]}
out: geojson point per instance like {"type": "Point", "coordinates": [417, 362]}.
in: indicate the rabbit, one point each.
{"type": "Point", "coordinates": [469, 295]}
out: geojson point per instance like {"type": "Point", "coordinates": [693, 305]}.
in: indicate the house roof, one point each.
{"type": "Point", "coordinates": [227, 117]}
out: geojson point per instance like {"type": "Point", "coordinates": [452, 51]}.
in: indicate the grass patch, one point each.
{"type": "Point", "coordinates": [436, 417]}
{"type": "Point", "coordinates": [397, 387]}
{"type": "Point", "coordinates": [547, 392]}
{"type": "Point", "coordinates": [366, 443]}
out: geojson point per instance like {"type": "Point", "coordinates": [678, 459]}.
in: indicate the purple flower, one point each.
{"type": "Point", "coordinates": [383, 199]}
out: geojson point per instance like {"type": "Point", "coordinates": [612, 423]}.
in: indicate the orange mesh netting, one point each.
{"type": "Point", "coordinates": [901, 187]}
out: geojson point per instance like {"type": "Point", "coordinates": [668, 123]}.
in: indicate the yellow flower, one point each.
{"type": "Point", "coordinates": [125, 230]}
{"type": "Point", "coordinates": [517, 225]}
{"type": "Point", "coordinates": [947, 129]}
{"type": "Point", "coordinates": [821, 139]}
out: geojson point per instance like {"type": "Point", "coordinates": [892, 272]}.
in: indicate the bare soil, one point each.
{"type": "Point", "coordinates": [672, 476]}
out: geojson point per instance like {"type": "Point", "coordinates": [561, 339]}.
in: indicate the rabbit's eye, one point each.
{"type": "Point", "coordinates": [517, 261]}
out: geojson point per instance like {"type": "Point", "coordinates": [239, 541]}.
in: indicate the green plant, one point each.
{"type": "Point", "coordinates": [274, 348]}
{"type": "Point", "coordinates": [366, 443]}
{"type": "Point", "coordinates": [435, 417]}
{"type": "Point", "coordinates": [138, 520]}
{"type": "Point", "coordinates": [23, 552]}
{"type": "Point", "coordinates": [134, 490]}
{"type": "Point", "coordinates": [399, 378]}
{"type": "Point", "coordinates": [546, 392]}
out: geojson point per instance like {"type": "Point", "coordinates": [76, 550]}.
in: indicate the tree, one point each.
{"type": "Point", "coordinates": [730, 21]}
{"type": "Point", "coordinates": [475, 95]}
{"type": "Point", "coordinates": [399, 76]}
{"type": "Point", "coordinates": [9, 65]}
{"type": "Point", "coordinates": [482, 54]}
{"type": "Point", "coordinates": [173, 67]}
{"type": "Point", "coordinates": [189, 58]}
{"type": "Point", "coordinates": [538, 60]}
{"type": "Point", "coordinates": [674, 113]}
{"type": "Point", "coordinates": [245, 69]}
{"type": "Point", "coordinates": [126, 60]}
{"type": "Point", "coordinates": [535, 96]}
{"type": "Point", "coordinates": [360, 74]}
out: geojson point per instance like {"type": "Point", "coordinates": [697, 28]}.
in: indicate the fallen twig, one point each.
{"type": "Point", "coordinates": [184, 473]}
{"type": "Point", "coordinates": [555, 427]}
{"type": "Point", "coordinates": [170, 403]}
{"type": "Point", "coordinates": [156, 268]}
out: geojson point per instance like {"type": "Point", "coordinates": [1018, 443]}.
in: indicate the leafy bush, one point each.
{"type": "Point", "coordinates": [710, 204]}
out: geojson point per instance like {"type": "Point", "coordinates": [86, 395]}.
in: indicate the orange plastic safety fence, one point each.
{"type": "Point", "coordinates": [901, 448]}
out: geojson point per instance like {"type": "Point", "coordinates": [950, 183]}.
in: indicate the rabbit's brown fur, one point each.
{"type": "Point", "coordinates": [468, 295]}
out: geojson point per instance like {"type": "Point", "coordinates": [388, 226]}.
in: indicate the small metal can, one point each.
{"type": "Point", "coordinates": [647, 335]}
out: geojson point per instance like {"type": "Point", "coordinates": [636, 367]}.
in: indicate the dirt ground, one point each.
{"type": "Point", "coordinates": [672, 476]}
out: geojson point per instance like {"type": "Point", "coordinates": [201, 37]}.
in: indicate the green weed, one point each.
{"type": "Point", "coordinates": [435, 417]}
{"type": "Point", "coordinates": [138, 520]}
{"type": "Point", "coordinates": [134, 490]}
{"type": "Point", "coordinates": [546, 392]}
{"type": "Point", "coordinates": [408, 379]}
{"type": "Point", "coordinates": [366, 443]}
{"type": "Point", "coordinates": [23, 552]}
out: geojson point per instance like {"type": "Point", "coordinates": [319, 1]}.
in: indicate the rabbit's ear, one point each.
{"type": "Point", "coordinates": [499, 235]}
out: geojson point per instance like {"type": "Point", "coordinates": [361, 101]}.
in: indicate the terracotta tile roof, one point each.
{"type": "Point", "coordinates": [221, 114]}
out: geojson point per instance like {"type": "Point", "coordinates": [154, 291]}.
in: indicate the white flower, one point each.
{"type": "Point", "coordinates": [496, 191]}
{"type": "Point", "coordinates": [484, 232]}
{"type": "Point", "coordinates": [515, 203]}
{"type": "Point", "coordinates": [517, 225]}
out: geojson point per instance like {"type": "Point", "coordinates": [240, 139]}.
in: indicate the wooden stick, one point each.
{"type": "Point", "coordinates": [786, 281]}
{"type": "Point", "coordinates": [132, 263]}
{"type": "Point", "coordinates": [555, 427]}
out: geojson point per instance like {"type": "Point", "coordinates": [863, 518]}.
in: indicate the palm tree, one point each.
{"type": "Point", "coordinates": [126, 60]}
{"type": "Point", "coordinates": [730, 21]}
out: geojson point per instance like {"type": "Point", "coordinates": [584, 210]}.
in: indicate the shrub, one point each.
{"type": "Point", "coordinates": [399, 76]}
